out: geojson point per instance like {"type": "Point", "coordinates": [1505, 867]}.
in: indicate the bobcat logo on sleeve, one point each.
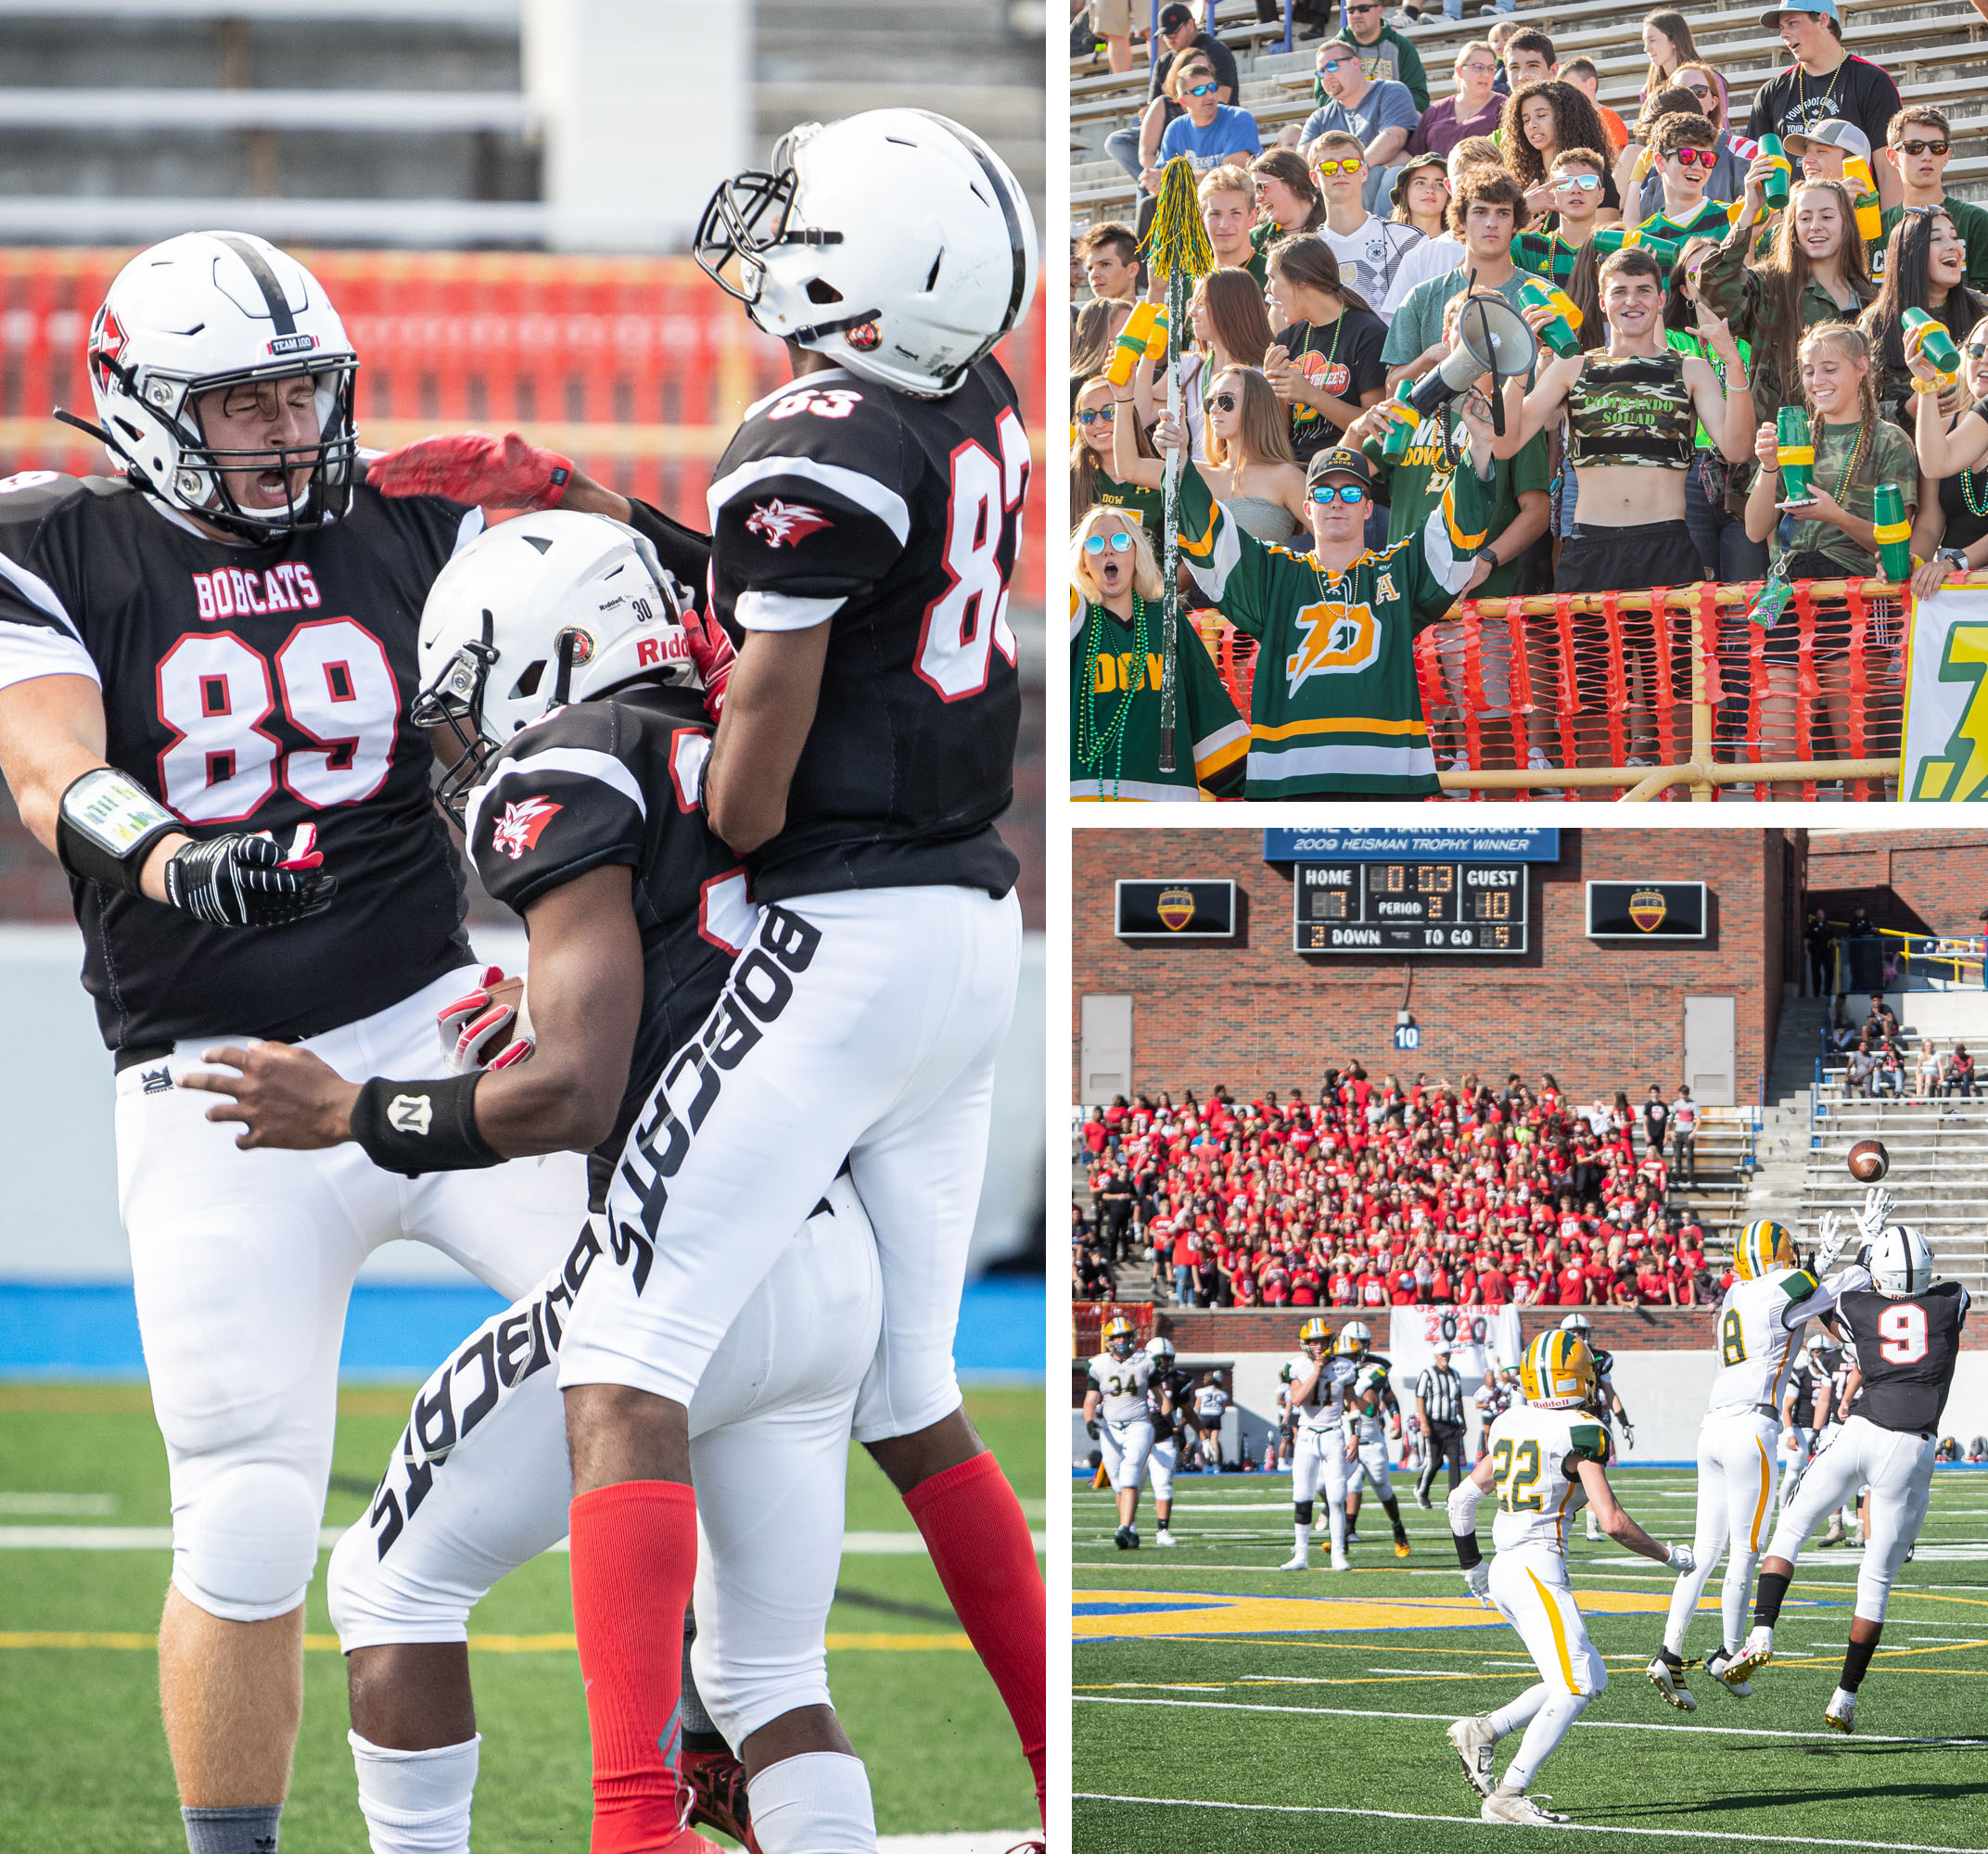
{"type": "Point", "coordinates": [517, 830]}
{"type": "Point", "coordinates": [785, 524]}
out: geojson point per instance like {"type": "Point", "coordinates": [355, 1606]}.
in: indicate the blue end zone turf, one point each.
{"type": "Point", "coordinates": [401, 1332]}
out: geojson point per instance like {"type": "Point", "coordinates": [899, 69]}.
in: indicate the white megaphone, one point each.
{"type": "Point", "coordinates": [1492, 338]}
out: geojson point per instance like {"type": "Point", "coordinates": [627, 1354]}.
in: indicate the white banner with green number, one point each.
{"type": "Point", "coordinates": [1946, 698]}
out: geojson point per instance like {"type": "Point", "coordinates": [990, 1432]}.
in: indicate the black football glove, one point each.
{"type": "Point", "coordinates": [243, 881]}
{"type": "Point", "coordinates": [1091, 1429]}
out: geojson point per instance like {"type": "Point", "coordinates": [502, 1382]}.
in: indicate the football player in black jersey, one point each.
{"type": "Point", "coordinates": [206, 664]}
{"type": "Point", "coordinates": [1907, 1330]}
{"type": "Point", "coordinates": [865, 523]}
{"type": "Point", "coordinates": [553, 658]}
{"type": "Point", "coordinates": [1170, 1398]}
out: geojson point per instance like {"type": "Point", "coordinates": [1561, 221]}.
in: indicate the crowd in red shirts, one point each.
{"type": "Point", "coordinates": [1381, 1194]}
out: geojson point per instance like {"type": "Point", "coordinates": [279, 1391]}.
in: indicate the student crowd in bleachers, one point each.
{"type": "Point", "coordinates": [1730, 295]}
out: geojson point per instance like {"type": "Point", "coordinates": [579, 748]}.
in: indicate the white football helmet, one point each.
{"type": "Point", "coordinates": [207, 310]}
{"type": "Point", "coordinates": [1577, 1323]}
{"type": "Point", "coordinates": [541, 611]}
{"type": "Point", "coordinates": [1901, 1262]}
{"type": "Point", "coordinates": [1160, 1349]}
{"type": "Point", "coordinates": [895, 242]}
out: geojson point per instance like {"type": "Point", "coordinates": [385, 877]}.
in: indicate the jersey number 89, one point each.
{"type": "Point", "coordinates": [214, 692]}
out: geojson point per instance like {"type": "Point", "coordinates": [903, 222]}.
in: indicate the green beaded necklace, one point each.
{"type": "Point", "coordinates": [1091, 746]}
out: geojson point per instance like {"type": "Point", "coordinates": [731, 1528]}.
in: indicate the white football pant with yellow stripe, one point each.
{"type": "Point", "coordinates": [1529, 1588]}
{"type": "Point", "coordinates": [1736, 1453]}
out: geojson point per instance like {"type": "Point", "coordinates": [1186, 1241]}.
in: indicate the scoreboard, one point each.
{"type": "Point", "coordinates": [1410, 908]}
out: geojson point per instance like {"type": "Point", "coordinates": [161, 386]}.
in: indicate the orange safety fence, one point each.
{"type": "Point", "coordinates": [1087, 1322]}
{"type": "Point", "coordinates": [1586, 694]}
{"type": "Point", "coordinates": [638, 368]}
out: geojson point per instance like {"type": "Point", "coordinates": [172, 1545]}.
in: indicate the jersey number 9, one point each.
{"type": "Point", "coordinates": [1903, 1333]}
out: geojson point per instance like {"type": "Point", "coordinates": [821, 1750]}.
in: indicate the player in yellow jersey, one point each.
{"type": "Point", "coordinates": [1756, 1334]}
{"type": "Point", "coordinates": [1546, 1459]}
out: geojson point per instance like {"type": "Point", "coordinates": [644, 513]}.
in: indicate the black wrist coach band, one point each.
{"type": "Point", "coordinates": [106, 826]}
{"type": "Point", "coordinates": [1468, 1551]}
{"type": "Point", "coordinates": [411, 1128]}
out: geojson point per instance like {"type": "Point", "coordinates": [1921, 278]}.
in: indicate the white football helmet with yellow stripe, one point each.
{"type": "Point", "coordinates": [1558, 1370]}
{"type": "Point", "coordinates": [1762, 1248]}
{"type": "Point", "coordinates": [1353, 1340]}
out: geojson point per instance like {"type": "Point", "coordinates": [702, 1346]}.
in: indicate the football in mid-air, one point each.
{"type": "Point", "coordinates": [1869, 1160]}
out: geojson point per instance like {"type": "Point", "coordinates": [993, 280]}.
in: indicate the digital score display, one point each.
{"type": "Point", "coordinates": [1410, 908]}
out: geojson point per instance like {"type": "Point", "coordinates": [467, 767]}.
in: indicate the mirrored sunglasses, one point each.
{"type": "Point", "coordinates": [1120, 543]}
{"type": "Point", "coordinates": [1201, 89]}
{"type": "Point", "coordinates": [1223, 401]}
{"type": "Point", "coordinates": [1579, 182]}
{"type": "Point", "coordinates": [1922, 148]}
{"type": "Point", "coordinates": [1338, 492]}
{"type": "Point", "coordinates": [1106, 414]}
{"type": "Point", "coordinates": [1350, 164]}
{"type": "Point", "coordinates": [1694, 158]}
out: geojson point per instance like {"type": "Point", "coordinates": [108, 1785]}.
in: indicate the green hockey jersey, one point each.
{"type": "Point", "coordinates": [1110, 758]}
{"type": "Point", "coordinates": [1334, 706]}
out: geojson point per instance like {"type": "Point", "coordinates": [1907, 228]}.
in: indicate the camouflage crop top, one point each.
{"type": "Point", "coordinates": [1631, 410]}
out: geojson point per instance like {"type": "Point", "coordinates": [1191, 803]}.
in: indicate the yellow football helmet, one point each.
{"type": "Point", "coordinates": [1118, 1332]}
{"type": "Point", "coordinates": [1558, 1370]}
{"type": "Point", "coordinates": [1763, 1246]}
{"type": "Point", "coordinates": [1315, 1329]}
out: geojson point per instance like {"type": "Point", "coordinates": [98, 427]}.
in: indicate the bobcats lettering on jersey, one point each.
{"type": "Point", "coordinates": [1536, 1456]}
{"type": "Point", "coordinates": [1121, 1385]}
{"type": "Point", "coordinates": [896, 522]}
{"type": "Point", "coordinates": [1907, 1348]}
{"type": "Point", "coordinates": [227, 590]}
{"type": "Point", "coordinates": [612, 771]}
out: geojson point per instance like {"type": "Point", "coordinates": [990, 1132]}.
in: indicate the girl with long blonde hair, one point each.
{"type": "Point", "coordinates": [1116, 599]}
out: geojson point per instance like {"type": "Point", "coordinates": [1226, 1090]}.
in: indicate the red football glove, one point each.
{"type": "Point", "coordinates": [492, 473]}
{"type": "Point", "coordinates": [487, 1027]}
{"type": "Point", "coordinates": [711, 651]}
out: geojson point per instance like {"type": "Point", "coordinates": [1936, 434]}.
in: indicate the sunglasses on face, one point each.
{"type": "Point", "coordinates": [1697, 89]}
{"type": "Point", "coordinates": [1201, 89]}
{"type": "Point", "coordinates": [1350, 164]}
{"type": "Point", "coordinates": [1579, 182]}
{"type": "Point", "coordinates": [1922, 148]}
{"type": "Point", "coordinates": [1105, 415]}
{"type": "Point", "coordinates": [1976, 351]}
{"type": "Point", "coordinates": [1223, 401]}
{"type": "Point", "coordinates": [1332, 64]}
{"type": "Point", "coordinates": [1119, 542]}
{"type": "Point", "coordinates": [1338, 492]}
{"type": "Point", "coordinates": [1693, 157]}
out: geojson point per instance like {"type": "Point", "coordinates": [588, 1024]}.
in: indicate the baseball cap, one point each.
{"type": "Point", "coordinates": [1835, 133]}
{"type": "Point", "coordinates": [1340, 460]}
{"type": "Point", "coordinates": [1772, 19]}
{"type": "Point", "coordinates": [1173, 17]}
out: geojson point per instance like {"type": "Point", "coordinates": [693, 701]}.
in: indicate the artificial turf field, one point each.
{"type": "Point", "coordinates": [83, 1759]}
{"type": "Point", "coordinates": [1220, 1703]}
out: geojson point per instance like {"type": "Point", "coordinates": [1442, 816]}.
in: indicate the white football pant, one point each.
{"type": "Point", "coordinates": [242, 1264]}
{"type": "Point", "coordinates": [1160, 1465]}
{"type": "Point", "coordinates": [1372, 1466]}
{"type": "Point", "coordinates": [1318, 1459]}
{"type": "Point", "coordinates": [1529, 1588]}
{"type": "Point", "coordinates": [480, 1481]}
{"type": "Point", "coordinates": [863, 1024]}
{"type": "Point", "coordinates": [1898, 1467]}
{"type": "Point", "coordinates": [1736, 1451]}
{"type": "Point", "coordinates": [1126, 1447]}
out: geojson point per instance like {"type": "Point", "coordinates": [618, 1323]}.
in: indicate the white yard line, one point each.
{"type": "Point", "coordinates": [1584, 1827]}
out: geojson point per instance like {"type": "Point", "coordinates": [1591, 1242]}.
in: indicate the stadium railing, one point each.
{"type": "Point", "coordinates": [638, 368]}
{"type": "Point", "coordinates": [1087, 1324]}
{"type": "Point", "coordinates": [1621, 704]}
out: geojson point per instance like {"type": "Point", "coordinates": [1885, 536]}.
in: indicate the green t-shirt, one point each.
{"type": "Point", "coordinates": [1124, 756]}
{"type": "Point", "coordinates": [1418, 323]}
{"type": "Point", "coordinates": [1969, 221]}
{"type": "Point", "coordinates": [1890, 460]}
{"type": "Point", "coordinates": [1334, 704]}
{"type": "Point", "coordinates": [1108, 493]}
{"type": "Point", "coordinates": [1419, 481]}
{"type": "Point", "coordinates": [1683, 341]}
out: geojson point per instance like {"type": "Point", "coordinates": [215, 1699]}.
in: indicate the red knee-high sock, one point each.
{"type": "Point", "coordinates": [634, 1556]}
{"type": "Point", "coordinates": [973, 1528]}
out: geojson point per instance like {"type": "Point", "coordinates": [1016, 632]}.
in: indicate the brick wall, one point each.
{"type": "Point", "coordinates": [1598, 1015]}
{"type": "Point", "coordinates": [1920, 881]}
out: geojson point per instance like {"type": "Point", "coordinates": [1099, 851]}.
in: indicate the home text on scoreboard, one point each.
{"type": "Point", "coordinates": [1410, 908]}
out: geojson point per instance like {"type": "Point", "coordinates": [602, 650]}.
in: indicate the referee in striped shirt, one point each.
{"type": "Point", "coordinates": [1439, 1408]}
